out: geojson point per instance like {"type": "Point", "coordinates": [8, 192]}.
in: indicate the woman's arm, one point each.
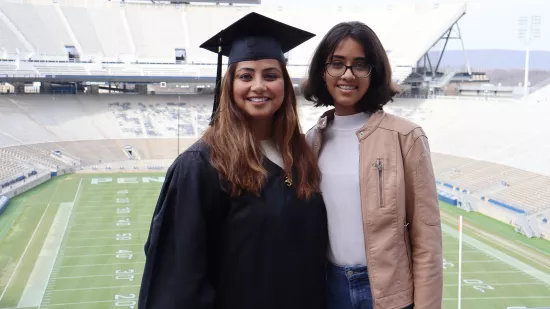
{"type": "Point", "coordinates": [175, 274]}
{"type": "Point", "coordinates": [424, 223]}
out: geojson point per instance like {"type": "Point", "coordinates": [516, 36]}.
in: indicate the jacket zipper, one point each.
{"type": "Point", "coordinates": [380, 166]}
{"type": "Point", "coordinates": [366, 236]}
{"type": "Point", "coordinates": [408, 245]}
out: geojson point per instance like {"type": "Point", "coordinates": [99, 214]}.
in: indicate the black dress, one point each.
{"type": "Point", "coordinates": [208, 251]}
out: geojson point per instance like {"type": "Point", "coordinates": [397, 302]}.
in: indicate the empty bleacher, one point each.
{"type": "Point", "coordinates": [493, 149]}
{"type": "Point", "coordinates": [107, 32]}
{"type": "Point", "coordinates": [31, 24]}
{"type": "Point", "coordinates": [19, 162]}
{"type": "Point", "coordinates": [508, 132]}
{"type": "Point", "coordinates": [521, 189]}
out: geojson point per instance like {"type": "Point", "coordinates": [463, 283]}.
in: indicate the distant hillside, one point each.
{"type": "Point", "coordinates": [512, 77]}
{"type": "Point", "coordinates": [495, 59]}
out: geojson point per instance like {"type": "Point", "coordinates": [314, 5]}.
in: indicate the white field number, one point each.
{"type": "Point", "coordinates": [478, 285]}
{"type": "Point", "coordinates": [124, 222]}
{"type": "Point", "coordinates": [123, 200]}
{"type": "Point", "coordinates": [124, 236]}
{"type": "Point", "coordinates": [125, 254]}
{"type": "Point", "coordinates": [128, 301]}
{"type": "Point", "coordinates": [122, 192]}
{"type": "Point", "coordinates": [124, 274]}
{"type": "Point", "coordinates": [123, 211]}
{"type": "Point", "coordinates": [447, 264]}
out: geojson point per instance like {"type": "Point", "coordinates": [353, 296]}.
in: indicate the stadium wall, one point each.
{"type": "Point", "coordinates": [28, 184]}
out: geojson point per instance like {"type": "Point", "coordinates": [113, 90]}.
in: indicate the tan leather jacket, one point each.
{"type": "Point", "coordinates": [400, 211]}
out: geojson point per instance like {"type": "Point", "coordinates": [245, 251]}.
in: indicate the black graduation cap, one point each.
{"type": "Point", "coordinates": [253, 37]}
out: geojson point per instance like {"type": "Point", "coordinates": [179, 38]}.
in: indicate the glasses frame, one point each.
{"type": "Point", "coordinates": [350, 67]}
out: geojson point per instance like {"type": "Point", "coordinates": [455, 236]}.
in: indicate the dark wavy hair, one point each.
{"type": "Point", "coordinates": [381, 89]}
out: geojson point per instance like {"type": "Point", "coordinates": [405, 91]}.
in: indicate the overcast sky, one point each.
{"type": "Point", "coordinates": [488, 24]}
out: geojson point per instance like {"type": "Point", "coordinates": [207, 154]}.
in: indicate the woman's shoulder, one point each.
{"type": "Point", "coordinates": [195, 156]}
{"type": "Point", "coordinates": [399, 124]}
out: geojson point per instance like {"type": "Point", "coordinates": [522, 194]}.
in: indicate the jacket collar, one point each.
{"type": "Point", "coordinates": [372, 124]}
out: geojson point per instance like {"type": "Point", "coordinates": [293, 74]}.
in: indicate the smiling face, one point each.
{"type": "Point", "coordinates": [259, 88]}
{"type": "Point", "coordinates": [347, 89]}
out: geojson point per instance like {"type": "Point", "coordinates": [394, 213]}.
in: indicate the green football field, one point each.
{"type": "Point", "coordinates": [77, 242]}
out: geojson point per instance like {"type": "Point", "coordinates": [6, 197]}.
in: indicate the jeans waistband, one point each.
{"type": "Point", "coordinates": [347, 270]}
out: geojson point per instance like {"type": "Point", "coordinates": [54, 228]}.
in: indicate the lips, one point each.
{"type": "Point", "coordinates": [258, 99]}
{"type": "Point", "coordinates": [347, 87]}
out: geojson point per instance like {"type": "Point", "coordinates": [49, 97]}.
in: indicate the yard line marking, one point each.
{"type": "Point", "coordinates": [113, 230]}
{"type": "Point", "coordinates": [138, 212]}
{"type": "Point", "coordinates": [93, 276]}
{"type": "Point", "coordinates": [89, 255]}
{"type": "Point", "coordinates": [81, 303]}
{"type": "Point", "coordinates": [498, 297]}
{"type": "Point", "coordinates": [485, 272]}
{"type": "Point", "coordinates": [499, 284]}
{"type": "Point", "coordinates": [101, 246]}
{"type": "Point", "coordinates": [88, 238]}
{"type": "Point", "coordinates": [93, 265]}
{"type": "Point", "coordinates": [117, 216]}
{"type": "Point", "coordinates": [110, 206]}
{"type": "Point", "coordinates": [99, 288]}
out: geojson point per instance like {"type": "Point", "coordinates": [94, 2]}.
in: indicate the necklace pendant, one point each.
{"type": "Point", "coordinates": [288, 181]}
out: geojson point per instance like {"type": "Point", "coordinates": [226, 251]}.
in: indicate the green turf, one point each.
{"type": "Point", "coordinates": [100, 262]}
{"type": "Point", "coordinates": [499, 228]}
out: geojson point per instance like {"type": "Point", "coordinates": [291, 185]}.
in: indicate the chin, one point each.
{"type": "Point", "coordinates": [259, 114]}
{"type": "Point", "coordinates": [347, 102]}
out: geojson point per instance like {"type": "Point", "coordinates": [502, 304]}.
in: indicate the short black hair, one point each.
{"type": "Point", "coordinates": [381, 89]}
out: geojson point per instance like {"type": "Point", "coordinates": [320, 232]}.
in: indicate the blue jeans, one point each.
{"type": "Point", "coordinates": [348, 287]}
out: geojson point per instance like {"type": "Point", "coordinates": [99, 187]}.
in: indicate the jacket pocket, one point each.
{"type": "Point", "coordinates": [379, 166]}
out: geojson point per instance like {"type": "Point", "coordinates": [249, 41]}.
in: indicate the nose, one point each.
{"type": "Point", "coordinates": [258, 85]}
{"type": "Point", "coordinates": [348, 74]}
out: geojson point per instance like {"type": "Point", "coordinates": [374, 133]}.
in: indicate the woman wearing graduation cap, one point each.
{"type": "Point", "coordinates": [240, 223]}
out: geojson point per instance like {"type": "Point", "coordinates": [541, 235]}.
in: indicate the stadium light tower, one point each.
{"type": "Point", "coordinates": [528, 31]}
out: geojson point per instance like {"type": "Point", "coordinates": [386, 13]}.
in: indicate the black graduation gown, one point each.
{"type": "Point", "coordinates": [208, 251]}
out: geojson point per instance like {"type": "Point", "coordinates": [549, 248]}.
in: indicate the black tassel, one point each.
{"type": "Point", "coordinates": [217, 90]}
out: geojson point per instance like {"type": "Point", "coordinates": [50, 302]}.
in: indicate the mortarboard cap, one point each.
{"type": "Point", "coordinates": [253, 37]}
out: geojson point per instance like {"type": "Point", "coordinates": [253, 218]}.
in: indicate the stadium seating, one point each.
{"type": "Point", "coordinates": [500, 132]}
{"type": "Point", "coordinates": [526, 190]}
{"type": "Point", "coordinates": [491, 149]}
{"type": "Point", "coordinates": [503, 132]}
{"type": "Point", "coordinates": [106, 32]}
{"type": "Point", "coordinates": [19, 162]}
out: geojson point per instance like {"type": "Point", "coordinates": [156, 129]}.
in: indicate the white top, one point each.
{"type": "Point", "coordinates": [270, 150]}
{"type": "Point", "coordinates": [339, 164]}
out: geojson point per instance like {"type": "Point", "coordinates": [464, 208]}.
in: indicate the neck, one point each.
{"type": "Point", "coordinates": [262, 129]}
{"type": "Point", "coordinates": [342, 110]}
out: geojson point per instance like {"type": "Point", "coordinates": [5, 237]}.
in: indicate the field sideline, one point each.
{"type": "Point", "coordinates": [95, 227]}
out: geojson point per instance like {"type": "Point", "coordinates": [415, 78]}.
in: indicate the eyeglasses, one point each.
{"type": "Point", "coordinates": [337, 69]}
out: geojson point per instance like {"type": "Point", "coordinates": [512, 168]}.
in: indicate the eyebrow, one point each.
{"type": "Point", "coordinates": [252, 70]}
{"type": "Point", "coordinates": [342, 57]}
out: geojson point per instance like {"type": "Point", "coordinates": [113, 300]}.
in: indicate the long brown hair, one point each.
{"type": "Point", "coordinates": [235, 153]}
